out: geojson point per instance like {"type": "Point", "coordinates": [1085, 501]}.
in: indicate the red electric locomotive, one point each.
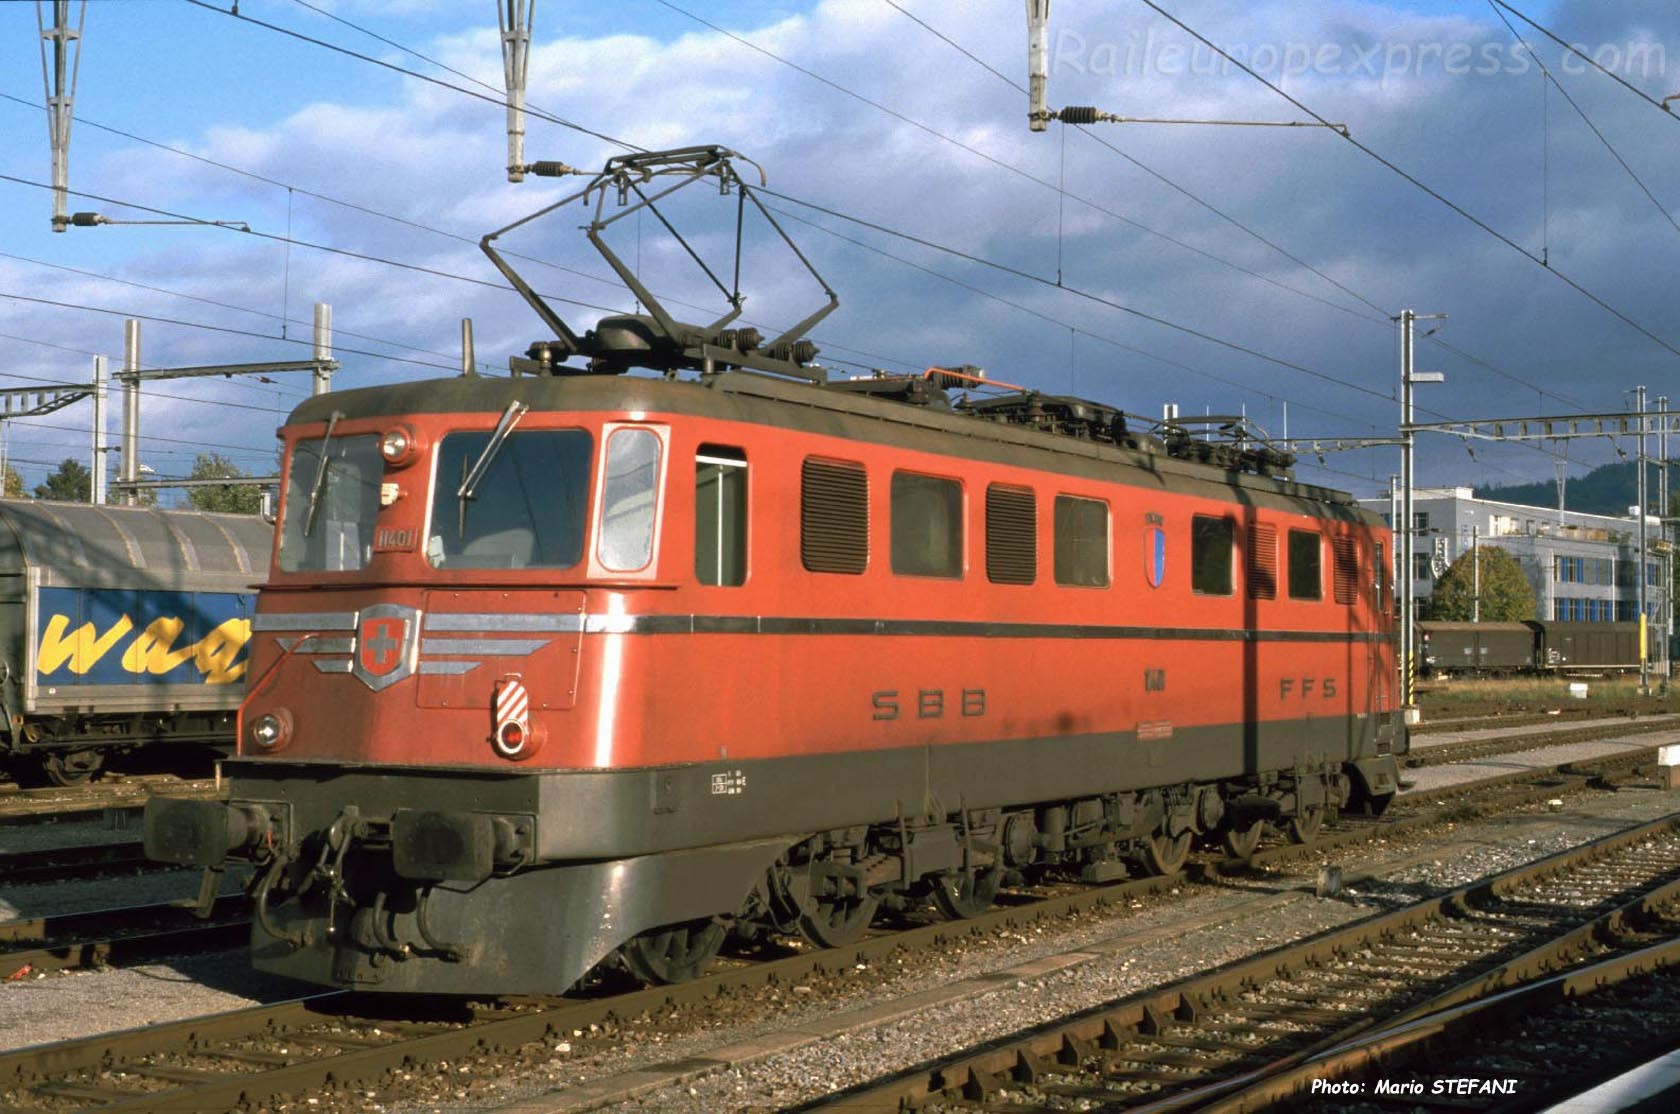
{"type": "Point", "coordinates": [566, 669]}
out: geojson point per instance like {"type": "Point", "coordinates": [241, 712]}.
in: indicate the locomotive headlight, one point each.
{"type": "Point", "coordinates": [270, 730]}
{"type": "Point", "coordinates": [397, 446]}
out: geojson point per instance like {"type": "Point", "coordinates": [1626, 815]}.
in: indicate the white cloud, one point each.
{"type": "Point", "coordinates": [434, 157]}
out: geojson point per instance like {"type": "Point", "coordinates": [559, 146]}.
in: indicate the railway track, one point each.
{"type": "Point", "coordinates": [1252, 1035]}
{"type": "Point", "coordinates": [62, 864]}
{"type": "Point", "coordinates": [134, 934]}
{"type": "Point", "coordinates": [1538, 1042]}
{"type": "Point", "coordinates": [115, 800]}
{"type": "Point", "coordinates": [299, 1046]}
{"type": "Point", "coordinates": [1435, 754]}
{"type": "Point", "coordinates": [143, 933]}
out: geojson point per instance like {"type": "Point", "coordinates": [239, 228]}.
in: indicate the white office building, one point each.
{"type": "Point", "coordinates": [1583, 567]}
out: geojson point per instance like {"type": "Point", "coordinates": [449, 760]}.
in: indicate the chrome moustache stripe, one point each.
{"type": "Point", "coordinates": [482, 635]}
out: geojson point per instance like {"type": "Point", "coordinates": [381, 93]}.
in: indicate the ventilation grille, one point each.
{"type": "Point", "coordinates": [1344, 552]}
{"type": "Point", "coordinates": [1262, 562]}
{"type": "Point", "coordinates": [1011, 535]}
{"type": "Point", "coordinates": [834, 517]}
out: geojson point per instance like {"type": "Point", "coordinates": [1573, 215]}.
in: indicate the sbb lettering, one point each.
{"type": "Point", "coordinates": [885, 704]}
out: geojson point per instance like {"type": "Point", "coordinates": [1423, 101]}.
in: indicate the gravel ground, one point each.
{"type": "Point", "coordinates": [771, 1049]}
{"type": "Point", "coordinates": [1425, 779]}
{"type": "Point", "coordinates": [120, 827]}
{"type": "Point", "coordinates": [1445, 738]}
{"type": "Point", "coordinates": [48, 899]}
{"type": "Point", "coordinates": [79, 1003]}
{"type": "Point", "coordinates": [782, 1053]}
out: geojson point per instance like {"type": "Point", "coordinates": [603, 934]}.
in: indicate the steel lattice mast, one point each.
{"type": "Point", "coordinates": [60, 63]}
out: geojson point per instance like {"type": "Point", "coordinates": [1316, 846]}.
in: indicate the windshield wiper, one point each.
{"type": "Point", "coordinates": [320, 484]}
{"type": "Point", "coordinates": [510, 418]}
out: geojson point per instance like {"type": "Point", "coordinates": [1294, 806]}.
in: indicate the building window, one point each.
{"type": "Point", "coordinates": [1210, 554]}
{"type": "Point", "coordinates": [927, 527]}
{"type": "Point", "coordinates": [1261, 569]}
{"type": "Point", "coordinates": [1421, 569]}
{"type": "Point", "coordinates": [834, 516]}
{"type": "Point", "coordinates": [1011, 535]}
{"type": "Point", "coordinates": [720, 516]}
{"type": "Point", "coordinates": [1420, 522]}
{"type": "Point", "coordinates": [1081, 542]}
{"type": "Point", "coordinates": [1306, 560]}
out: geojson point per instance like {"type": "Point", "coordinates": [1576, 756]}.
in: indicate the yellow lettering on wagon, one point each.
{"type": "Point", "coordinates": [151, 651]}
{"type": "Point", "coordinates": [82, 649]}
{"type": "Point", "coordinates": [215, 653]}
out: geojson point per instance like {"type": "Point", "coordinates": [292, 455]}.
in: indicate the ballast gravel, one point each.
{"type": "Point", "coordinates": [794, 1044]}
{"type": "Point", "coordinates": [785, 1045]}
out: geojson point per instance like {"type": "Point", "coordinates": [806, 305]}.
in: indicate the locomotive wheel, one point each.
{"type": "Point", "coordinates": [834, 922]}
{"type": "Point", "coordinates": [1165, 854]}
{"type": "Point", "coordinates": [960, 894]}
{"type": "Point", "coordinates": [674, 954]}
{"type": "Point", "coordinates": [1376, 806]}
{"type": "Point", "coordinates": [61, 768]}
{"type": "Point", "coordinates": [1305, 827]}
{"type": "Point", "coordinates": [828, 911]}
{"type": "Point", "coordinates": [1241, 843]}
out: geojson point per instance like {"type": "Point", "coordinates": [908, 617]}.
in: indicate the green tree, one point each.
{"type": "Point", "coordinates": [71, 483]}
{"type": "Point", "coordinates": [13, 484]}
{"type": "Point", "coordinates": [1507, 596]}
{"type": "Point", "coordinates": [226, 498]}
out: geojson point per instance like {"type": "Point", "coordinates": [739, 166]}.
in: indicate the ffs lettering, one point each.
{"type": "Point", "coordinates": [1307, 688]}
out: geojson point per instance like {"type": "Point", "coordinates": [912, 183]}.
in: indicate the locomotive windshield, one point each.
{"type": "Point", "coordinates": [528, 510]}
{"type": "Point", "coordinates": [332, 498]}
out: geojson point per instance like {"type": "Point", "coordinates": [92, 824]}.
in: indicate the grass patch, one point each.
{"type": "Point", "coordinates": [1534, 689]}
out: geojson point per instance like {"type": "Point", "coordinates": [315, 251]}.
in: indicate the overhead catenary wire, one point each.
{"type": "Point", "coordinates": [1547, 76]}
{"type": "Point", "coordinates": [1661, 105]}
{"type": "Point", "coordinates": [367, 210]}
{"type": "Point", "coordinates": [337, 331]}
{"type": "Point", "coordinates": [1052, 320]}
{"type": "Point", "coordinates": [437, 272]}
{"type": "Point", "coordinates": [1001, 164]}
{"type": "Point", "coordinates": [1098, 299]}
{"type": "Point", "coordinates": [629, 146]}
{"type": "Point", "coordinates": [1381, 316]}
{"type": "Point", "coordinates": [1394, 167]}
{"type": "Point", "coordinates": [497, 100]}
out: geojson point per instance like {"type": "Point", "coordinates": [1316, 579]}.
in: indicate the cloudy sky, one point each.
{"type": "Point", "coordinates": [1225, 269]}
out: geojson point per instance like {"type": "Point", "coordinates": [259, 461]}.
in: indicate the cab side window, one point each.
{"type": "Point", "coordinates": [1210, 554]}
{"type": "Point", "coordinates": [720, 516]}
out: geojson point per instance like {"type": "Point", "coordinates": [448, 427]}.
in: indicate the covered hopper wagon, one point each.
{"type": "Point", "coordinates": [120, 627]}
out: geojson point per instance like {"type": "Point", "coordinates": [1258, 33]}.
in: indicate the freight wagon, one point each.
{"type": "Point", "coordinates": [1534, 646]}
{"type": "Point", "coordinates": [120, 626]}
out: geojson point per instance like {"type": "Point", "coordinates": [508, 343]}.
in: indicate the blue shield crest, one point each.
{"type": "Point", "coordinates": [1155, 555]}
